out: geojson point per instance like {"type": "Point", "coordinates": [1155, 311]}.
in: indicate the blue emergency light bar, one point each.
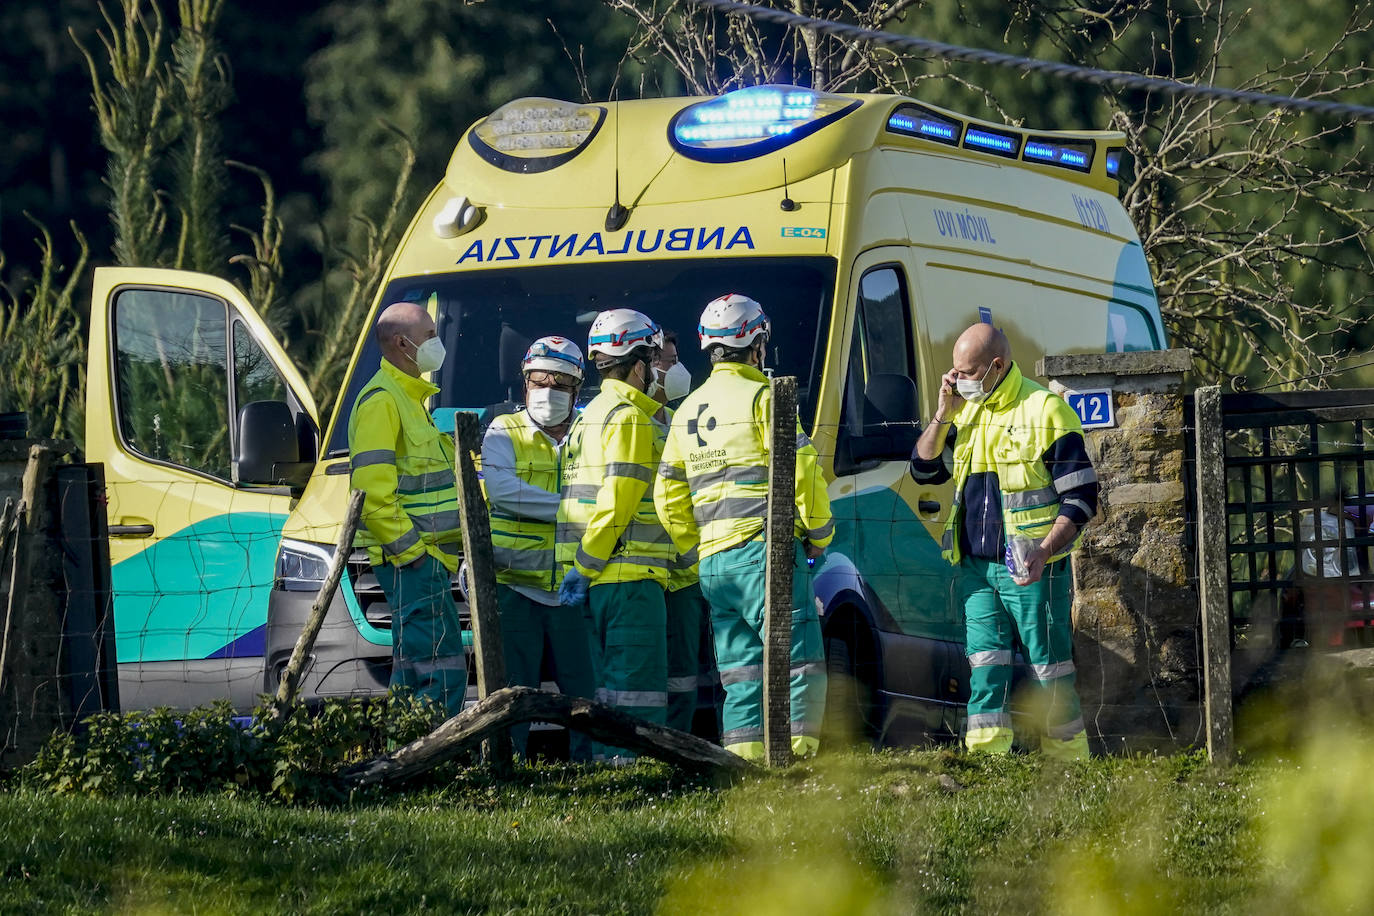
{"type": "Point", "coordinates": [753, 121]}
{"type": "Point", "coordinates": [1077, 155]}
{"type": "Point", "coordinates": [993, 141]}
{"type": "Point", "coordinates": [1114, 162]}
{"type": "Point", "coordinates": [915, 121]}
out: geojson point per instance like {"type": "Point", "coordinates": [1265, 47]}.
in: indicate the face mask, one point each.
{"type": "Point", "coordinates": [971, 389]}
{"type": "Point", "coordinates": [677, 382]}
{"type": "Point", "coordinates": [654, 386]}
{"type": "Point", "coordinates": [548, 406]}
{"type": "Point", "coordinates": [429, 356]}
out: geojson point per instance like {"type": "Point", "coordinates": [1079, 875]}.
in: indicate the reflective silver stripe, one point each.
{"type": "Point", "coordinates": [371, 457]}
{"type": "Point", "coordinates": [448, 520]}
{"type": "Point", "coordinates": [567, 532]}
{"type": "Point", "coordinates": [434, 666]}
{"type": "Point", "coordinates": [810, 668]}
{"type": "Point", "coordinates": [686, 684]}
{"type": "Point", "coordinates": [725, 510]}
{"type": "Point", "coordinates": [824, 531]}
{"type": "Point", "coordinates": [1058, 669]}
{"type": "Point", "coordinates": [588, 561]}
{"type": "Point", "coordinates": [1029, 499]}
{"type": "Point", "coordinates": [402, 543]}
{"type": "Point", "coordinates": [741, 735]}
{"type": "Point", "coordinates": [1066, 731]}
{"type": "Point", "coordinates": [990, 657]}
{"type": "Point", "coordinates": [629, 469]}
{"type": "Point", "coordinates": [523, 560]}
{"type": "Point", "coordinates": [653, 562]}
{"type": "Point", "coordinates": [1076, 479]}
{"type": "Point", "coordinates": [1080, 504]}
{"type": "Point", "coordinates": [672, 472]}
{"type": "Point", "coordinates": [741, 674]}
{"type": "Point", "coordinates": [647, 533]}
{"type": "Point", "coordinates": [434, 480]}
{"type": "Point", "coordinates": [641, 698]}
{"type": "Point", "coordinates": [686, 560]}
{"type": "Point", "coordinates": [728, 474]}
{"type": "Point", "coordinates": [367, 396]}
{"type": "Point", "coordinates": [947, 539]}
{"type": "Point", "coordinates": [802, 440]}
{"type": "Point", "coordinates": [580, 491]}
{"type": "Point", "coordinates": [600, 695]}
{"type": "Point", "coordinates": [989, 720]}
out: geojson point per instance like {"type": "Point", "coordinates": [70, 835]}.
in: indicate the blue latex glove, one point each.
{"type": "Point", "coordinates": [573, 591]}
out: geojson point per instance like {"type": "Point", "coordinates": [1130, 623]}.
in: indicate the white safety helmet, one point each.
{"type": "Point", "coordinates": [553, 354]}
{"type": "Point", "coordinates": [733, 321]}
{"type": "Point", "coordinates": [616, 333]}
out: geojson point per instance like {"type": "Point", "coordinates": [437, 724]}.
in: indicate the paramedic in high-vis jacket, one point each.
{"type": "Point", "coordinates": [410, 526]}
{"type": "Point", "coordinates": [1024, 487]}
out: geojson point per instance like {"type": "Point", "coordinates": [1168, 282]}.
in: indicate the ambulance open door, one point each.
{"type": "Point", "coordinates": [205, 430]}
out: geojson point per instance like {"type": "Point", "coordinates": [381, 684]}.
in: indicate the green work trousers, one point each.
{"type": "Point", "coordinates": [687, 615]}
{"type": "Point", "coordinates": [996, 612]}
{"type": "Point", "coordinates": [526, 628]}
{"type": "Point", "coordinates": [734, 585]}
{"type": "Point", "coordinates": [629, 650]}
{"type": "Point", "coordinates": [427, 639]}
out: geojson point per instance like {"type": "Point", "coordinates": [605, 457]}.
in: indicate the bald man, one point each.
{"type": "Point", "coordinates": [410, 527]}
{"type": "Point", "coordinates": [1024, 487]}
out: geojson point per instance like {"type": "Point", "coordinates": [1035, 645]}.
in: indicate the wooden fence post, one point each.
{"type": "Point", "coordinates": [777, 630]}
{"type": "Point", "coordinates": [486, 621]}
{"type": "Point", "coordinates": [305, 643]}
{"type": "Point", "coordinates": [1213, 572]}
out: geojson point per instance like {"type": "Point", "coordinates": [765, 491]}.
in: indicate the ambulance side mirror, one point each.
{"type": "Point", "coordinates": [891, 418]}
{"type": "Point", "coordinates": [269, 447]}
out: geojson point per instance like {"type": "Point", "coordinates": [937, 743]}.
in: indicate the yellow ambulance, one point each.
{"type": "Point", "coordinates": [873, 228]}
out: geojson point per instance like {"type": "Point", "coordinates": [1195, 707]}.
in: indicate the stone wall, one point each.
{"type": "Point", "coordinates": [1136, 618]}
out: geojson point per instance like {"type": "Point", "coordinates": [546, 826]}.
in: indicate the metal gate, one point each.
{"type": "Point", "coordinates": [1299, 473]}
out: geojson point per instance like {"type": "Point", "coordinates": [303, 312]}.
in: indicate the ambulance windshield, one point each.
{"type": "Point", "coordinates": [488, 318]}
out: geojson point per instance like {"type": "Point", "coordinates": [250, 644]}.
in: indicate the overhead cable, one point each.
{"type": "Point", "coordinates": [1118, 79]}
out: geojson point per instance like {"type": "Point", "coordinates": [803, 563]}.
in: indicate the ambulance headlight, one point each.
{"type": "Point", "coordinates": [754, 121]}
{"type": "Point", "coordinates": [302, 566]}
{"type": "Point", "coordinates": [535, 134]}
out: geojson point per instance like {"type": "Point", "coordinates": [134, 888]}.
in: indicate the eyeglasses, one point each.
{"type": "Point", "coordinates": [556, 380]}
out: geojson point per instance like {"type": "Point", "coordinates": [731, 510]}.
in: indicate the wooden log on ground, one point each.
{"type": "Point", "coordinates": [487, 645]}
{"type": "Point", "coordinates": [777, 629]}
{"type": "Point", "coordinates": [513, 705]}
{"type": "Point", "coordinates": [305, 643]}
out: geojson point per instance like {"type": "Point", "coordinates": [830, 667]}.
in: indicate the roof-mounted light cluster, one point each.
{"type": "Point", "coordinates": [535, 135]}
{"type": "Point", "coordinates": [754, 121]}
{"type": "Point", "coordinates": [924, 123]}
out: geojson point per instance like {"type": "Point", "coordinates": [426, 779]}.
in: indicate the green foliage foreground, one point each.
{"type": "Point", "coordinates": [926, 831]}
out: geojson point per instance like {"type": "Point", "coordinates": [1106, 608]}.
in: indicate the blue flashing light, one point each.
{"type": "Point", "coordinates": [992, 142]}
{"type": "Point", "coordinates": [914, 121]}
{"type": "Point", "coordinates": [1071, 154]}
{"type": "Point", "coordinates": [750, 122]}
{"type": "Point", "coordinates": [1114, 162]}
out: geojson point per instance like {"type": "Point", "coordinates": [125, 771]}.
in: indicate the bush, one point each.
{"type": "Point", "coordinates": [210, 749]}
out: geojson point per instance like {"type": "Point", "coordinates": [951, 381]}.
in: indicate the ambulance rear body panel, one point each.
{"type": "Point", "coordinates": [890, 246]}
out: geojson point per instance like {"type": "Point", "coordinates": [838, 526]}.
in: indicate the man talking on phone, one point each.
{"type": "Point", "coordinates": [1024, 487]}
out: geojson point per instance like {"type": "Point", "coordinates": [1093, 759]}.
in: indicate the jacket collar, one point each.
{"type": "Point", "coordinates": [1002, 397]}
{"type": "Point", "coordinates": [743, 370]}
{"type": "Point", "coordinates": [417, 388]}
{"type": "Point", "coordinates": [630, 395]}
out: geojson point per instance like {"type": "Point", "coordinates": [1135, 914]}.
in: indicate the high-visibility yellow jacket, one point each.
{"type": "Point", "coordinates": [404, 466]}
{"type": "Point", "coordinates": [712, 486]}
{"type": "Point", "coordinates": [607, 526]}
{"type": "Point", "coordinates": [1008, 435]}
{"type": "Point", "coordinates": [521, 472]}
{"type": "Point", "coordinates": [686, 570]}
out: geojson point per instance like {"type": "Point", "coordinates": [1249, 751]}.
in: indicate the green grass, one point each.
{"type": "Point", "coordinates": [923, 831]}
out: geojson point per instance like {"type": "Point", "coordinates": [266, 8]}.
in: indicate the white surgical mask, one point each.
{"type": "Point", "coordinates": [654, 386]}
{"type": "Point", "coordinates": [429, 356]}
{"type": "Point", "coordinates": [677, 382]}
{"type": "Point", "coordinates": [971, 389]}
{"type": "Point", "coordinates": [548, 406]}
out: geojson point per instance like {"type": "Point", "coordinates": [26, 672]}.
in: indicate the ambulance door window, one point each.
{"type": "Point", "coordinates": [172, 379]}
{"type": "Point", "coordinates": [255, 377]}
{"type": "Point", "coordinates": [882, 345]}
